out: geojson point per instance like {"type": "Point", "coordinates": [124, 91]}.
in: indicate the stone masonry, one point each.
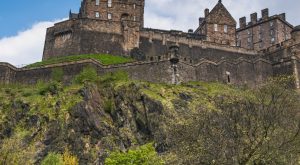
{"type": "Point", "coordinates": [215, 51]}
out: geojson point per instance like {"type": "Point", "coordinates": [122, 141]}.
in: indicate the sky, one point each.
{"type": "Point", "coordinates": [23, 23]}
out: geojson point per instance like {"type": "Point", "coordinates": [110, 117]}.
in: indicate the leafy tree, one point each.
{"type": "Point", "coordinates": [262, 127]}
{"type": "Point", "coordinates": [144, 155]}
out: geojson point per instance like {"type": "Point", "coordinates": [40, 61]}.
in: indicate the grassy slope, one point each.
{"type": "Point", "coordinates": [105, 59]}
{"type": "Point", "coordinates": [43, 105]}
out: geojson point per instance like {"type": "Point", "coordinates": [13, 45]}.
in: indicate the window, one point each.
{"type": "Point", "coordinates": [238, 43]}
{"type": "Point", "coordinates": [286, 36]}
{"type": "Point", "coordinates": [97, 2]}
{"type": "Point", "coordinates": [272, 32]}
{"type": "Point", "coordinates": [272, 40]}
{"type": "Point", "coordinates": [109, 3]}
{"type": "Point", "coordinates": [97, 14]}
{"type": "Point", "coordinates": [249, 32]}
{"type": "Point", "coordinates": [134, 18]}
{"type": "Point", "coordinates": [249, 39]}
{"type": "Point", "coordinates": [271, 23]}
{"type": "Point", "coordinates": [216, 27]}
{"type": "Point", "coordinates": [109, 16]}
{"type": "Point", "coordinates": [260, 36]}
{"type": "Point", "coordinates": [225, 28]}
{"type": "Point", "coordinates": [134, 6]}
{"type": "Point", "coordinates": [260, 45]}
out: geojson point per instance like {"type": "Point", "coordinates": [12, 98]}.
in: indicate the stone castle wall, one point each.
{"type": "Point", "coordinates": [240, 72]}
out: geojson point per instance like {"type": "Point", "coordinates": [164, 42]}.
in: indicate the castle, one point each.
{"type": "Point", "coordinates": [215, 51]}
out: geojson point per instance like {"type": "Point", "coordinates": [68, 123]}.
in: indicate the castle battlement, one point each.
{"type": "Point", "coordinates": [216, 51]}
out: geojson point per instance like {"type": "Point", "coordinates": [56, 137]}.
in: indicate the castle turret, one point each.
{"type": "Point", "coordinates": [113, 10]}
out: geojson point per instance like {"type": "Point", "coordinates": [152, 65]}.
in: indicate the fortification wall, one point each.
{"type": "Point", "coordinates": [240, 72]}
{"type": "Point", "coordinates": [83, 36]}
{"type": "Point", "coordinates": [7, 73]}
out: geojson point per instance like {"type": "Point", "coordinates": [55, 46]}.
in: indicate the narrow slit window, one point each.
{"type": "Point", "coordinates": [109, 16]}
{"type": "Point", "coordinates": [97, 14]}
{"type": "Point", "coordinates": [225, 28]}
{"type": "Point", "coordinates": [216, 27]}
{"type": "Point", "coordinates": [109, 3]}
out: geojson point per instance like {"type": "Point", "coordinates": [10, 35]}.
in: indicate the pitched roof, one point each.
{"type": "Point", "coordinates": [218, 13]}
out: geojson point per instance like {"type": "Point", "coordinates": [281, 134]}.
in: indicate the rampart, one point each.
{"type": "Point", "coordinates": [240, 71]}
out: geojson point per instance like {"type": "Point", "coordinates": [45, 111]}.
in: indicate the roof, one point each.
{"type": "Point", "coordinates": [297, 28]}
{"type": "Point", "coordinates": [215, 11]}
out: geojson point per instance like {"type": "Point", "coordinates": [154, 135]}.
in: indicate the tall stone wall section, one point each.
{"type": "Point", "coordinates": [241, 72]}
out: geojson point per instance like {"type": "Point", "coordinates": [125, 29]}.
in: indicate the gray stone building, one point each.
{"type": "Point", "coordinates": [208, 54]}
{"type": "Point", "coordinates": [264, 32]}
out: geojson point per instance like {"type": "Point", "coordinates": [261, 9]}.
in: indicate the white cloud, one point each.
{"type": "Point", "coordinates": [26, 47]}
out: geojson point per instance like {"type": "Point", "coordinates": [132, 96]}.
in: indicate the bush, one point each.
{"type": "Point", "coordinates": [53, 159]}
{"type": "Point", "coordinates": [88, 74]}
{"type": "Point", "coordinates": [57, 159]}
{"type": "Point", "coordinates": [52, 88]}
{"type": "Point", "coordinates": [69, 159]}
{"type": "Point", "coordinates": [144, 155]}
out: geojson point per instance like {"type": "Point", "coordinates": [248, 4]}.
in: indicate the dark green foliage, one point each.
{"type": "Point", "coordinates": [88, 74]}
{"type": "Point", "coordinates": [144, 155]}
{"type": "Point", "coordinates": [105, 59]}
{"type": "Point", "coordinates": [52, 88]}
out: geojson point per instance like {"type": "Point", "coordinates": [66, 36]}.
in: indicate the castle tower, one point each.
{"type": "Point", "coordinates": [114, 10]}
{"type": "Point", "coordinates": [218, 25]}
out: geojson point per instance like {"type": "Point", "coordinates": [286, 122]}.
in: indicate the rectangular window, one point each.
{"type": "Point", "coordinates": [216, 27]}
{"type": "Point", "coordinates": [249, 32]}
{"type": "Point", "coordinates": [272, 40]}
{"type": "Point", "coordinates": [225, 28]}
{"type": "Point", "coordinates": [134, 18]}
{"type": "Point", "coordinates": [271, 32]}
{"type": "Point", "coordinates": [134, 6]}
{"type": "Point", "coordinates": [260, 36]}
{"type": "Point", "coordinates": [109, 16]}
{"type": "Point", "coordinates": [97, 14]}
{"type": "Point", "coordinates": [249, 39]}
{"type": "Point", "coordinates": [271, 23]}
{"type": "Point", "coordinates": [97, 2]}
{"type": "Point", "coordinates": [109, 3]}
{"type": "Point", "coordinates": [260, 45]}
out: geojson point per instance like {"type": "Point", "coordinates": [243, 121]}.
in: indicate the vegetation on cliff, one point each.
{"type": "Point", "coordinates": [104, 59]}
{"type": "Point", "coordinates": [116, 120]}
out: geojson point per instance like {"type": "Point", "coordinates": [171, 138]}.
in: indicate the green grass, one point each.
{"type": "Point", "coordinates": [104, 59]}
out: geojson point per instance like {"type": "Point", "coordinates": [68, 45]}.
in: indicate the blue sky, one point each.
{"type": "Point", "coordinates": [23, 23]}
{"type": "Point", "coordinates": [19, 15]}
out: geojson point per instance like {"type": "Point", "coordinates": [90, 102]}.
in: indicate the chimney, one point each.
{"type": "Point", "coordinates": [201, 19]}
{"type": "Point", "coordinates": [243, 22]}
{"type": "Point", "coordinates": [282, 16]}
{"type": "Point", "coordinates": [190, 31]}
{"type": "Point", "coordinates": [265, 14]}
{"type": "Point", "coordinates": [253, 18]}
{"type": "Point", "coordinates": [206, 12]}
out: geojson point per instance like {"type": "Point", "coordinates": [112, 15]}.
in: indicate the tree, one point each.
{"type": "Point", "coordinates": [262, 127]}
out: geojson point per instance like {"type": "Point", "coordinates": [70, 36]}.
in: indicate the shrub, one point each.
{"type": "Point", "coordinates": [69, 159]}
{"type": "Point", "coordinates": [144, 155]}
{"type": "Point", "coordinates": [53, 159]}
{"type": "Point", "coordinates": [88, 74]}
{"type": "Point", "coordinates": [52, 88]}
{"type": "Point", "coordinates": [57, 159]}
